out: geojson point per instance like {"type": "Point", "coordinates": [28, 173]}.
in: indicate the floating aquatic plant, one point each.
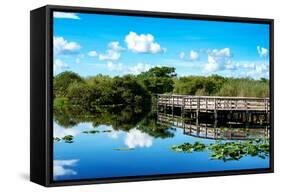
{"type": "Point", "coordinates": [187, 147]}
{"type": "Point", "coordinates": [68, 138]}
{"type": "Point", "coordinates": [227, 151]}
{"type": "Point", "coordinates": [124, 149]}
{"type": "Point", "coordinates": [91, 132]}
{"type": "Point", "coordinates": [107, 131]}
{"type": "Point", "coordinates": [96, 131]}
{"type": "Point", "coordinates": [56, 139]}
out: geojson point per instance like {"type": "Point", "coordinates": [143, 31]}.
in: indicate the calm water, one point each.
{"type": "Point", "coordinates": [141, 149]}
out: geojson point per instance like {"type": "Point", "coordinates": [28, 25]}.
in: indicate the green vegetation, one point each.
{"type": "Point", "coordinates": [228, 151]}
{"type": "Point", "coordinates": [221, 86]}
{"type": "Point", "coordinates": [91, 132]}
{"type": "Point", "coordinates": [97, 93]}
{"type": "Point", "coordinates": [124, 149]}
{"type": "Point", "coordinates": [236, 150]}
{"type": "Point", "coordinates": [187, 147]}
{"type": "Point", "coordinates": [68, 138]}
{"type": "Point", "coordinates": [56, 139]}
{"type": "Point", "coordinates": [96, 131]}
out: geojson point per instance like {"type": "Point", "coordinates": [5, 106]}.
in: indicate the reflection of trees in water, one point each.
{"type": "Point", "coordinates": [207, 129]}
{"type": "Point", "coordinates": [150, 126]}
{"type": "Point", "coordinates": [119, 117]}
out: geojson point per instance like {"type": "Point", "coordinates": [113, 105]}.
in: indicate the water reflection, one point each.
{"type": "Point", "coordinates": [64, 167]}
{"type": "Point", "coordinates": [136, 138]}
{"type": "Point", "coordinates": [141, 126]}
{"type": "Point", "coordinates": [207, 130]}
{"type": "Point", "coordinates": [132, 141]}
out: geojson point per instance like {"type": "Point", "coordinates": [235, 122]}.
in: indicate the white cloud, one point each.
{"type": "Point", "coordinates": [59, 65]}
{"type": "Point", "coordinates": [143, 43]}
{"type": "Point", "coordinates": [61, 167]}
{"type": "Point", "coordinates": [114, 67]}
{"type": "Point", "coordinates": [92, 53]}
{"type": "Point", "coordinates": [61, 132]}
{"type": "Point", "coordinates": [193, 55]}
{"type": "Point", "coordinates": [182, 55]}
{"type": "Point", "coordinates": [218, 59]}
{"type": "Point", "coordinates": [110, 55]}
{"type": "Point", "coordinates": [139, 68]}
{"type": "Point", "coordinates": [211, 66]}
{"type": "Point", "coordinates": [225, 52]}
{"type": "Point", "coordinates": [254, 70]}
{"type": "Point", "coordinates": [135, 138]}
{"type": "Point", "coordinates": [65, 15]}
{"type": "Point", "coordinates": [113, 52]}
{"type": "Point", "coordinates": [260, 70]}
{"type": "Point", "coordinates": [62, 46]}
{"type": "Point", "coordinates": [114, 45]}
{"type": "Point", "coordinates": [263, 52]}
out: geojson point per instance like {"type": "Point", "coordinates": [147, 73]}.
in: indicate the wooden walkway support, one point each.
{"type": "Point", "coordinates": [210, 131]}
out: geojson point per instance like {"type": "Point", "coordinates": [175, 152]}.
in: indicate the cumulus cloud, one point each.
{"type": "Point", "coordinates": [62, 46]}
{"type": "Point", "coordinates": [211, 66]}
{"type": "Point", "coordinates": [114, 67]}
{"type": "Point", "coordinates": [139, 68]}
{"type": "Point", "coordinates": [218, 59]}
{"type": "Point", "coordinates": [263, 52]}
{"type": "Point", "coordinates": [92, 53]}
{"type": "Point", "coordinates": [65, 15]}
{"type": "Point", "coordinates": [61, 167]}
{"type": "Point", "coordinates": [143, 43]}
{"type": "Point", "coordinates": [113, 52]}
{"type": "Point", "coordinates": [59, 65]}
{"type": "Point", "coordinates": [135, 138]}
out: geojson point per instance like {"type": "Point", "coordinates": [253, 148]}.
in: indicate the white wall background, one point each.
{"type": "Point", "coordinates": [14, 94]}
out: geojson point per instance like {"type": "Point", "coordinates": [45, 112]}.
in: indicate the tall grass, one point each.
{"type": "Point", "coordinates": [244, 88]}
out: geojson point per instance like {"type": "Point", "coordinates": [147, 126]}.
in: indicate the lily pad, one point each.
{"type": "Point", "coordinates": [91, 132]}
{"type": "Point", "coordinates": [124, 149]}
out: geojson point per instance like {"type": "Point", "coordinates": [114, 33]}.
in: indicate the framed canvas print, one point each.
{"type": "Point", "coordinates": [119, 95]}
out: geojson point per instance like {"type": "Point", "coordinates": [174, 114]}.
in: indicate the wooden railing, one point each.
{"type": "Point", "coordinates": [215, 102]}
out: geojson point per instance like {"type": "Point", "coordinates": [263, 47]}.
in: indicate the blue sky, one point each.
{"type": "Point", "coordinates": [91, 44]}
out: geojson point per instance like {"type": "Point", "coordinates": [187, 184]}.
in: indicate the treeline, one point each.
{"type": "Point", "coordinates": [221, 86]}
{"type": "Point", "coordinates": [98, 92]}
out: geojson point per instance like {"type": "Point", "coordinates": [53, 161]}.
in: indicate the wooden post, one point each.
{"type": "Point", "coordinates": [197, 111]}
{"type": "Point", "coordinates": [182, 107]}
{"type": "Point", "coordinates": [172, 105]}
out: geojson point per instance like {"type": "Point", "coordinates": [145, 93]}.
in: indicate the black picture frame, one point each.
{"type": "Point", "coordinates": [41, 73]}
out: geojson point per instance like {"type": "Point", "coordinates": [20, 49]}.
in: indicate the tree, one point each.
{"type": "Point", "coordinates": [160, 72]}
{"type": "Point", "coordinates": [127, 90]}
{"type": "Point", "coordinates": [158, 80]}
{"type": "Point", "coordinates": [62, 81]}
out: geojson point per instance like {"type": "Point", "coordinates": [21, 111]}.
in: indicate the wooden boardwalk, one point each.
{"type": "Point", "coordinates": [214, 103]}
